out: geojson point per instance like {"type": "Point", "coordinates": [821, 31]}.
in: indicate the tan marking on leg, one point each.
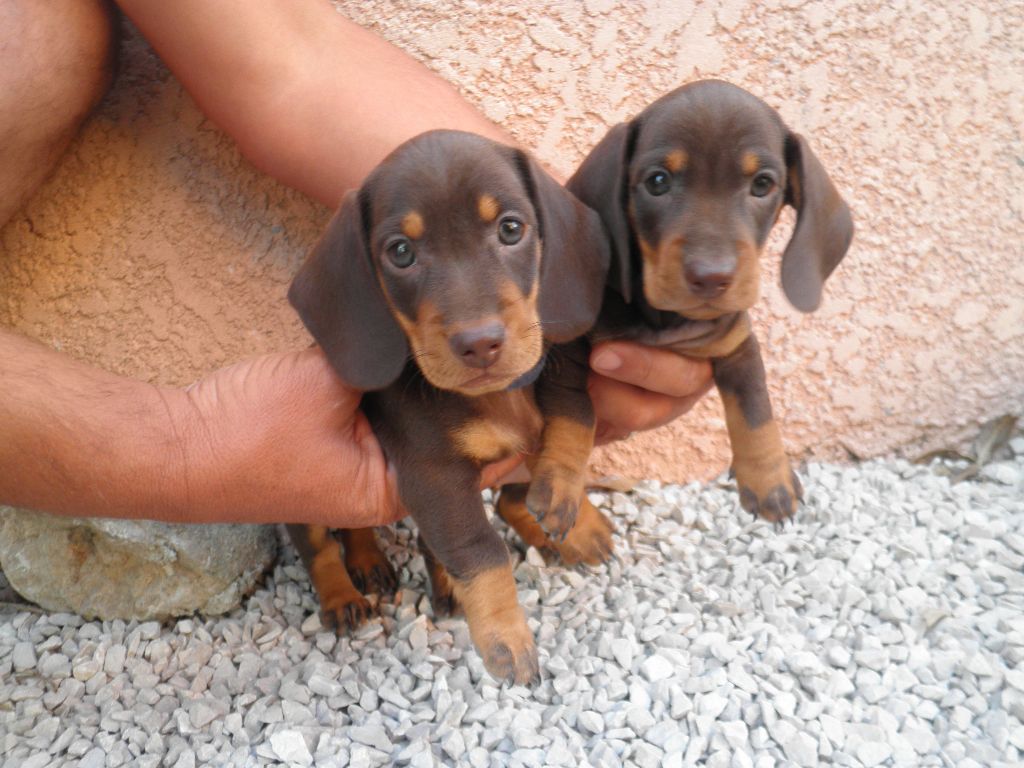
{"type": "Point", "coordinates": [676, 160]}
{"type": "Point", "coordinates": [750, 163]}
{"type": "Point", "coordinates": [412, 225]}
{"type": "Point", "coordinates": [766, 482]}
{"type": "Point", "coordinates": [366, 563]}
{"type": "Point", "coordinates": [567, 441]}
{"type": "Point", "coordinates": [558, 474]}
{"type": "Point", "coordinates": [488, 208]}
{"type": "Point", "coordinates": [341, 604]}
{"type": "Point", "coordinates": [497, 624]}
{"type": "Point", "coordinates": [442, 586]}
{"type": "Point", "coordinates": [319, 536]}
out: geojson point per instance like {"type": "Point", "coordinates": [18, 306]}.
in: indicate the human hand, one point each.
{"type": "Point", "coordinates": [281, 438]}
{"type": "Point", "coordinates": [634, 387]}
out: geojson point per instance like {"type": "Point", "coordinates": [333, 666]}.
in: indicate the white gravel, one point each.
{"type": "Point", "coordinates": [884, 627]}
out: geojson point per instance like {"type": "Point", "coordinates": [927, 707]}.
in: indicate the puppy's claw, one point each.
{"type": "Point", "coordinates": [373, 575]}
{"type": "Point", "coordinates": [383, 579]}
{"type": "Point", "coordinates": [346, 616]}
{"type": "Point", "coordinates": [798, 487]}
{"type": "Point", "coordinates": [776, 506]}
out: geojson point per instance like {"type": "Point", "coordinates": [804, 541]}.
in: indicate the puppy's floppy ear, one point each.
{"type": "Point", "coordinates": [338, 297]}
{"type": "Point", "coordinates": [574, 258]}
{"type": "Point", "coordinates": [823, 231]}
{"type": "Point", "coordinates": [602, 183]}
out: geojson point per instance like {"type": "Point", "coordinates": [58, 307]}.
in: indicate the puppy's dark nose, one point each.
{"type": "Point", "coordinates": [479, 347]}
{"type": "Point", "coordinates": [707, 281]}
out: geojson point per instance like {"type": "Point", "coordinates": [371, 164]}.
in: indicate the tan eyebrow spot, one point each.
{"type": "Point", "coordinates": [675, 160]}
{"type": "Point", "coordinates": [750, 163]}
{"type": "Point", "coordinates": [487, 207]}
{"type": "Point", "coordinates": [412, 225]}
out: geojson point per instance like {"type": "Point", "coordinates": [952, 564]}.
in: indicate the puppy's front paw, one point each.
{"type": "Point", "coordinates": [498, 626]}
{"type": "Point", "coordinates": [508, 649]}
{"type": "Point", "coordinates": [373, 575]}
{"type": "Point", "coordinates": [554, 500]}
{"type": "Point", "coordinates": [768, 489]}
{"type": "Point", "coordinates": [366, 563]}
{"type": "Point", "coordinates": [345, 613]}
{"type": "Point", "coordinates": [589, 540]}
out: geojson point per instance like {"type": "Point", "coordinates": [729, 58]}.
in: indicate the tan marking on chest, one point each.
{"type": "Point", "coordinates": [505, 423]}
{"type": "Point", "coordinates": [484, 440]}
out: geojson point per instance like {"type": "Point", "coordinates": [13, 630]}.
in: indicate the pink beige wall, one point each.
{"type": "Point", "coordinates": [157, 252]}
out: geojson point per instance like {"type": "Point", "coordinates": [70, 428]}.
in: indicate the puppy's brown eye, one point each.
{"type": "Point", "coordinates": [510, 231]}
{"type": "Point", "coordinates": [658, 182]}
{"type": "Point", "coordinates": [401, 254]}
{"type": "Point", "coordinates": [762, 184]}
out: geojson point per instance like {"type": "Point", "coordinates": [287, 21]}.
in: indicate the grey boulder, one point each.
{"type": "Point", "coordinates": [128, 569]}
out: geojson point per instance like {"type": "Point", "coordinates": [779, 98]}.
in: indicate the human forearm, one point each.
{"type": "Point", "coordinates": [78, 440]}
{"type": "Point", "coordinates": [310, 97]}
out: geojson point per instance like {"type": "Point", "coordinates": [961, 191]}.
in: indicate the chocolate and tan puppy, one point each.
{"type": "Point", "coordinates": [688, 191]}
{"type": "Point", "coordinates": [449, 288]}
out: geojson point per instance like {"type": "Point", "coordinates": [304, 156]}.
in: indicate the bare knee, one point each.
{"type": "Point", "coordinates": [55, 66]}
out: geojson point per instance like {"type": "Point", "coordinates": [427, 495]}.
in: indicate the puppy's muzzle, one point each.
{"type": "Point", "coordinates": [479, 346]}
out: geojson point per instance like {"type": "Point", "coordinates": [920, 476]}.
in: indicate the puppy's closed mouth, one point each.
{"type": "Point", "coordinates": [483, 379]}
{"type": "Point", "coordinates": [685, 333]}
{"type": "Point", "coordinates": [696, 310]}
{"type": "Point", "coordinates": [485, 382]}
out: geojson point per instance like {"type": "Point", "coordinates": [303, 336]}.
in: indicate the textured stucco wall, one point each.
{"type": "Point", "coordinates": [156, 251]}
